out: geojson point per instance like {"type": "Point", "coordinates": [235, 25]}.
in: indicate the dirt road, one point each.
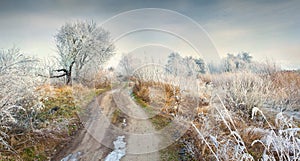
{"type": "Point", "coordinates": [142, 141]}
{"type": "Point", "coordinates": [95, 141]}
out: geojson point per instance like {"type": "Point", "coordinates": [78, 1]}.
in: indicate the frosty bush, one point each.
{"type": "Point", "coordinates": [244, 90]}
{"type": "Point", "coordinates": [17, 95]}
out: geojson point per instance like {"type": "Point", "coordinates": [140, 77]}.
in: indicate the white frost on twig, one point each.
{"type": "Point", "coordinates": [254, 112]}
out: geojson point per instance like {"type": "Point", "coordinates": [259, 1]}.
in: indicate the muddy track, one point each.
{"type": "Point", "coordinates": [142, 142]}
{"type": "Point", "coordinates": [95, 140]}
{"type": "Point", "coordinates": [84, 142]}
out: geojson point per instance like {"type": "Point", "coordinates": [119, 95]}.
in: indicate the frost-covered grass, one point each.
{"type": "Point", "coordinates": [244, 90]}
{"type": "Point", "coordinates": [225, 137]}
{"type": "Point", "coordinates": [236, 128]}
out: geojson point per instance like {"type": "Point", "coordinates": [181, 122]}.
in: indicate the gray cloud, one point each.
{"type": "Point", "coordinates": [266, 28]}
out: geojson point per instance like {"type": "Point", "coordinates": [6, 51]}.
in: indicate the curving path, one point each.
{"type": "Point", "coordinates": [95, 141]}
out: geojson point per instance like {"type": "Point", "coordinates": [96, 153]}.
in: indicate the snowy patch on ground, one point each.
{"type": "Point", "coordinates": [72, 157]}
{"type": "Point", "coordinates": [119, 151]}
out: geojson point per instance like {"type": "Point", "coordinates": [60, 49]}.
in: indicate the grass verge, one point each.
{"type": "Point", "coordinates": [53, 125]}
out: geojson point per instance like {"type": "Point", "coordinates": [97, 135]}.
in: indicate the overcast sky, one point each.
{"type": "Point", "coordinates": [265, 28]}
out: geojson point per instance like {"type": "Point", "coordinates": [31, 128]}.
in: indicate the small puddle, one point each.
{"type": "Point", "coordinates": [72, 157]}
{"type": "Point", "coordinates": [119, 150]}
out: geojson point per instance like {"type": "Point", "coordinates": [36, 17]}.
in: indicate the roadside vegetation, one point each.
{"type": "Point", "coordinates": [243, 113]}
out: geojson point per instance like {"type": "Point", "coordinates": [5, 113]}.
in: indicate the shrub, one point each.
{"type": "Point", "coordinates": [243, 90]}
{"type": "Point", "coordinates": [18, 98]}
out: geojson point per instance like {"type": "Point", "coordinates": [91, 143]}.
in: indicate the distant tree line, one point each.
{"type": "Point", "coordinates": [241, 62]}
{"type": "Point", "coordinates": [189, 66]}
{"type": "Point", "coordinates": [185, 66]}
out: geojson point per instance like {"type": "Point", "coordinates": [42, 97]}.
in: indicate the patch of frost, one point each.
{"type": "Point", "coordinates": [119, 150]}
{"type": "Point", "coordinates": [72, 157]}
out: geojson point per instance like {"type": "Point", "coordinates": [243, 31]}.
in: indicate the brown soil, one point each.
{"type": "Point", "coordinates": [95, 140]}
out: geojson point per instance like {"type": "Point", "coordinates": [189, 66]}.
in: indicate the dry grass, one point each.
{"type": "Point", "coordinates": [286, 86]}
{"type": "Point", "coordinates": [142, 90]}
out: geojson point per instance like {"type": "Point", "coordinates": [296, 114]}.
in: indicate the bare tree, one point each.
{"type": "Point", "coordinates": [80, 44]}
{"type": "Point", "coordinates": [127, 64]}
{"type": "Point", "coordinates": [201, 65]}
{"type": "Point", "coordinates": [237, 62]}
{"type": "Point", "coordinates": [187, 66]}
{"type": "Point", "coordinates": [174, 64]}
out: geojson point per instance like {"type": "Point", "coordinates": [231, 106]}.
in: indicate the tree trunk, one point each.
{"type": "Point", "coordinates": [69, 78]}
{"type": "Point", "coordinates": [69, 74]}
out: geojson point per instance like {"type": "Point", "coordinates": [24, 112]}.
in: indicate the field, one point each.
{"type": "Point", "coordinates": [240, 116]}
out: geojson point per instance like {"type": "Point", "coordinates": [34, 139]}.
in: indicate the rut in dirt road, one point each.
{"type": "Point", "coordinates": [142, 141]}
{"type": "Point", "coordinates": [85, 143]}
{"type": "Point", "coordinates": [95, 142]}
